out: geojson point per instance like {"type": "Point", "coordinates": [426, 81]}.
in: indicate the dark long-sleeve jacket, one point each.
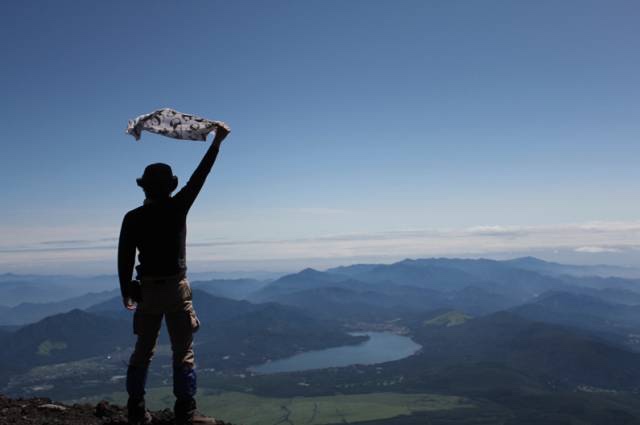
{"type": "Point", "coordinates": [158, 230]}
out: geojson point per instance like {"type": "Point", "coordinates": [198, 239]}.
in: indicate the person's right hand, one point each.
{"type": "Point", "coordinates": [128, 303]}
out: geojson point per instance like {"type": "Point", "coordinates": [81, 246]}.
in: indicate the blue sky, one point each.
{"type": "Point", "coordinates": [502, 127]}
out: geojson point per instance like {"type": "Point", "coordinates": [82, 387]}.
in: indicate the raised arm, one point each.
{"type": "Point", "coordinates": [126, 258]}
{"type": "Point", "coordinates": [188, 194]}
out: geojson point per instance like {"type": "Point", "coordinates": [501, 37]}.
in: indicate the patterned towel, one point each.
{"type": "Point", "coordinates": [174, 124]}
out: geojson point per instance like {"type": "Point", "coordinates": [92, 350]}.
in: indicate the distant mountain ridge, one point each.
{"type": "Point", "coordinates": [475, 286]}
{"type": "Point", "coordinates": [359, 291]}
{"type": "Point", "coordinates": [17, 289]}
{"type": "Point", "coordinates": [549, 267]}
{"type": "Point", "coordinates": [25, 313]}
{"type": "Point", "coordinates": [236, 289]}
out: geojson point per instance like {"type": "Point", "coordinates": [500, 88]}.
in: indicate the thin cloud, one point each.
{"type": "Point", "coordinates": [498, 231]}
{"type": "Point", "coordinates": [596, 249]}
{"type": "Point", "coordinates": [67, 242]}
{"type": "Point", "coordinates": [58, 248]}
{"type": "Point", "coordinates": [315, 210]}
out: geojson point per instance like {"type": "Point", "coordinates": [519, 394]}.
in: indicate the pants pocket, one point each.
{"type": "Point", "coordinates": [184, 289]}
{"type": "Point", "coordinates": [193, 320]}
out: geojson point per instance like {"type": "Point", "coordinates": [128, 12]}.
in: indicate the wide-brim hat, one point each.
{"type": "Point", "coordinates": [158, 174]}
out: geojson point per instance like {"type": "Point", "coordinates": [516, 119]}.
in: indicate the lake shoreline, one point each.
{"type": "Point", "coordinates": [380, 347]}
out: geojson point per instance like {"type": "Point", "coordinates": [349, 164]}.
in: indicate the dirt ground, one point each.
{"type": "Point", "coordinates": [42, 411]}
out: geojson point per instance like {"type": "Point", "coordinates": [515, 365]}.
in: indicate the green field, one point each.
{"type": "Point", "coordinates": [449, 319]}
{"type": "Point", "coordinates": [247, 409]}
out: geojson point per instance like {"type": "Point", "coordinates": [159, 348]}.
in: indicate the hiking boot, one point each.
{"type": "Point", "coordinates": [137, 412]}
{"type": "Point", "coordinates": [186, 414]}
{"type": "Point", "coordinates": [200, 419]}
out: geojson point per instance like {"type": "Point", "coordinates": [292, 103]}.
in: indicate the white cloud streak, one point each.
{"type": "Point", "coordinates": [585, 238]}
{"type": "Point", "coordinates": [596, 249]}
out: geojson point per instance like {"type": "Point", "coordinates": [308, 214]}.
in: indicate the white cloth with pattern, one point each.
{"type": "Point", "coordinates": [171, 123]}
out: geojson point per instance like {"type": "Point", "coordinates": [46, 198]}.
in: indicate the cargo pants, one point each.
{"type": "Point", "coordinates": [169, 298]}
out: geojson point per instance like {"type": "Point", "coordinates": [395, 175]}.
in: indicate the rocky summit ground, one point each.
{"type": "Point", "coordinates": [43, 411]}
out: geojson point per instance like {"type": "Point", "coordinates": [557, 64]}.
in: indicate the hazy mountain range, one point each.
{"type": "Point", "coordinates": [523, 326]}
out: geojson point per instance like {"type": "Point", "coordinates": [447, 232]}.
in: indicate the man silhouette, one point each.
{"type": "Point", "coordinates": [157, 230]}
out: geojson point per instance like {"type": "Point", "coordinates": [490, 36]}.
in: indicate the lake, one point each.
{"type": "Point", "coordinates": [379, 348]}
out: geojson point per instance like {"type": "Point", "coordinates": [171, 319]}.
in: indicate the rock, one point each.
{"type": "Point", "coordinates": [41, 411]}
{"type": "Point", "coordinates": [103, 409]}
